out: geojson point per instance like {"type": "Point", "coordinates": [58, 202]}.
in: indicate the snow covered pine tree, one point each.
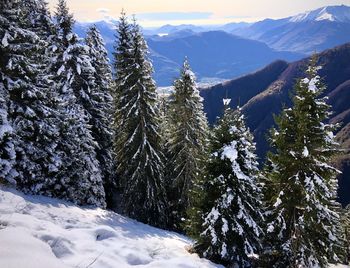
{"type": "Point", "coordinates": [137, 146]}
{"type": "Point", "coordinates": [232, 216]}
{"type": "Point", "coordinates": [79, 179]}
{"type": "Point", "coordinates": [100, 106]}
{"type": "Point", "coordinates": [7, 150]}
{"type": "Point", "coordinates": [300, 191]}
{"type": "Point", "coordinates": [31, 111]}
{"type": "Point", "coordinates": [187, 144]}
{"type": "Point", "coordinates": [123, 62]}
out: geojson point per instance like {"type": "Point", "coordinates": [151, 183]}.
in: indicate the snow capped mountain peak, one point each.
{"type": "Point", "coordinates": [328, 13]}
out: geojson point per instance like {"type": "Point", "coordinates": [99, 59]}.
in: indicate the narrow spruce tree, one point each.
{"type": "Point", "coordinates": [186, 144]}
{"type": "Point", "coordinates": [231, 229]}
{"type": "Point", "coordinates": [101, 106]}
{"type": "Point", "coordinates": [139, 158]}
{"type": "Point", "coordinates": [123, 64]}
{"type": "Point", "coordinates": [302, 215]}
{"type": "Point", "coordinates": [79, 178]}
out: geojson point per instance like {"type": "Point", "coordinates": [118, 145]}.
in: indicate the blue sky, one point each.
{"type": "Point", "coordinates": [159, 12]}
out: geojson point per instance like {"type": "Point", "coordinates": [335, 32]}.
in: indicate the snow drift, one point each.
{"type": "Point", "coordinates": [40, 232]}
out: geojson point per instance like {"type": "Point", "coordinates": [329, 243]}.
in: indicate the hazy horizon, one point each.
{"type": "Point", "coordinates": [153, 13]}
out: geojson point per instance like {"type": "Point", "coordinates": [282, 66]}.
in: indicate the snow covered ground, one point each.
{"type": "Point", "coordinates": [40, 232]}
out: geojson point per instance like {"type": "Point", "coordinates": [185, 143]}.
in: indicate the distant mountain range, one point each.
{"type": "Point", "coordinates": [263, 93]}
{"type": "Point", "coordinates": [213, 55]}
{"type": "Point", "coordinates": [226, 51]}
{"type": "Point", "coordinates": [305, 33]}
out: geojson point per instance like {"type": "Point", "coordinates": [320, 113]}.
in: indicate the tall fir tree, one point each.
{"type": "Point", "coordinates": [8, 13]}
{"type": "Point", "coordinates": [101, 107]}
{"type": "Point", "coordinates": [30, 108]}
{"type": "Point", "coordinates": [302, 215]}
{"type": "Point", "coordinates": [231, 229]}
{"type": "Point", "coordinates": [187, 143]}
{"type": "Point", "coordinates": [79, 179]}
{"type": "Point", "coordinates": [123, 64]}
{"type": "Point", "coordinates": [137, 147]}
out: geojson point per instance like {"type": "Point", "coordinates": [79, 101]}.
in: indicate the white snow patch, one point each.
{"type": "Point", "coordinates": [78, 69]}
{"type": "Point", "coordinates": [230, 152]}
{"type": "Point", "coordinates": [60, 70]}
{"type": "Point", "coordinates": [270, 229]}
{"type": "Point", "coordinates": [305, 152]}
{"type": "Point", "coordinates": [4, 40]}
{"type": "Point", "coordinates": [226, 101]}
{"type": "Point", "coordinates": [40, 232]}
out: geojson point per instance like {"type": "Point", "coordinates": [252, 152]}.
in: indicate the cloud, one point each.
{"type": "Point", "coordinates": [103, 10]}
{"type": "Point", "coordinates": [238, 17]}
{"type": "Point", "coordinates": [170, 16]}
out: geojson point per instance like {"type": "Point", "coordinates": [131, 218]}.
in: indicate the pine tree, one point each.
{"type": "Point", "coordinates": [345, 221]}
{"type": "Point", "coordinates": [8, 12]}
{"type": "Point", "coordinates": [137, 146]}
{"type": "Point", "coordinates": [79, 179]}
{"type": "Point", "coordinates": [123, 64]}
{"type": "Point", "coordinates": [300, 191]}
{"type": "Point", "coordinates": [231, 224]}
{"type": "Point", "coordinates": [187, 143]}
{"type": "Point", "coordinates": [29, 108]}
{"type": "Point", "coordinates": [165, 132]}
{"type": "Point", "coordinates": [101, 105]}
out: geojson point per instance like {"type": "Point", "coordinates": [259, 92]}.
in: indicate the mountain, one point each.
{"type": "Point", "coordinates": [214, 54]}
{"type": "Point", "coordinates": [308, 32]}
{"type": "Point", "coordinates": [329, 13]}
{"type": "Point", "coordinates": [169, 29]}
{"type": "Point", "coordinates": [263, 93]}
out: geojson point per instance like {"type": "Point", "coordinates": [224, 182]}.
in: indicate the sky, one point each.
{"type": "Point", "coordinates": [153, 13]}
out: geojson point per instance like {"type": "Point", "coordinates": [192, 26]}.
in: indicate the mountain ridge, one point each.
{"type": "Point", "coordinates": [276, 85]}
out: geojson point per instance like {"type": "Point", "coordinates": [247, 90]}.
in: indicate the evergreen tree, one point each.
{"type": "Point", "coordinates": [165, 132]}
{"type": "Point", "coordinates": [300, 191]}
{"type": "Point", "coordinates": [79, 179]}
{"type": "Point", "coordinates": [187, 143]}
{"type": "Point", "coordinates": [101, 105]}
{"type": "Point", "coordinates": [345, 217]}
{"type": "Point", "coordinates": [232, 216]}
{"type": "Point", "coordinates": [137, 147]}
{"type": "Point", "coordinates": [123, 64]}
{"type": "Point", "coordinates": [29, 106]}
{"type": "Point", "coordinates": [8, 12]}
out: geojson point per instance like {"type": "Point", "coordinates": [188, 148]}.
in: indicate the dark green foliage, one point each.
{"type": "Point", "coordinates": [79, 178]}
{"type": "Point", "coordinates": [300, 191]}
{"type": "Point", "coordinates": [231, 208]}
{"type": "Point", "coordinates": [187, 128]}
{"type": "Point", "coordinates": [8, 13]}
{"type": "Point", "coordinates": [30, 99]}
{"type": "Point", "coordinates": [100, 106]}
{"type": "Point", "coordinates": [137, 142]}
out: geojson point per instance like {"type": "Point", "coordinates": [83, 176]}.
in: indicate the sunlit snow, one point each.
{"type": "Point", "coordinates": [40, 232]}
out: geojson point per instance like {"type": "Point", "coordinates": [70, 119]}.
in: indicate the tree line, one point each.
{"type": "Point", "coordinates": [73, 128]}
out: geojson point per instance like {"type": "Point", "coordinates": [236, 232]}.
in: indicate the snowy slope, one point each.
{"type": "Point", "coordinates": [39, 232]}
{"type": "Point", "coordinates": [329, 13]}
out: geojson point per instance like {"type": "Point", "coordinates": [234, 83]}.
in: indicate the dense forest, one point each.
{"type": "Point", "coordinates": [76, 127]}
